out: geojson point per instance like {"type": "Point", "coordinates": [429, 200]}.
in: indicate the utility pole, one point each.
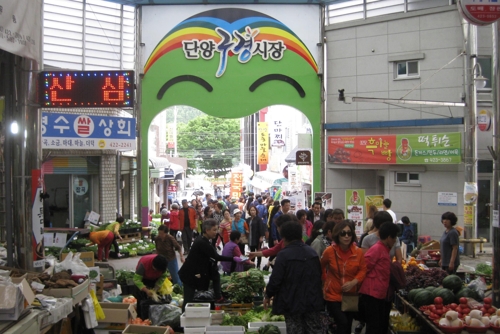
{"type": "Point", "coordinates": [495, 152]}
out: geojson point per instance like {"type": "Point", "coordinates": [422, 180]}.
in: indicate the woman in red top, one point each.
{"type": "Point", "coordinates": [345, 268]}
{"type": "Point", "coordinates": [374, 307]}
{"type": "Point", "coordinates": [225, 226]}
{"type": "Point", "coordinates": [174, 220]}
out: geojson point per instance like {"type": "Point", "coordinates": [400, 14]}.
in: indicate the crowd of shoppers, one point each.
{"type": "Point", "coordinates": [316, 256]}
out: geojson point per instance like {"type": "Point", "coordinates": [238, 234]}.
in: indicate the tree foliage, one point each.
{"type": "Point", "coordinates": [211, 144]}
{"type": "Point", "coordinates": [184, 114]}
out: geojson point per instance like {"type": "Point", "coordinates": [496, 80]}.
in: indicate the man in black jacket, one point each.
{"type": "Point", "coordinates": [201, 266]}
{"type": "Point", "coordinates": [295, 283]}
{"type": "Point", "coordinates": [315, 213]}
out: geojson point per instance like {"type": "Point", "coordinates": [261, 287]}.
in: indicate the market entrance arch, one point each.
{"type": "Point", "coordinates": [230, 63]}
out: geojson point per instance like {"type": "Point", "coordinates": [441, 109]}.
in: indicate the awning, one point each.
{"type": "Point", "coordinates": [265, 180]}
{"type": "Point", "coordinates": [171, 172]}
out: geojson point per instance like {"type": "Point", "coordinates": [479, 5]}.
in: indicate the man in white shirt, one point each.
{"type": "Point", "coordinates": [387, 207]}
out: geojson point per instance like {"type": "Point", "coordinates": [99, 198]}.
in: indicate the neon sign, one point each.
{"type": "Point", "coordinates": [87, 89]}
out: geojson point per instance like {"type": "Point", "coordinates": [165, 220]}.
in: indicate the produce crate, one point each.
{"type": "Point", "coordinates": [199, 310]}
{"type": "Point", "coordinates": [254, 326]}
{"type": "Point", "coordinates": [195, 321]}
{"type": "Point", "coordinates": [240, 308]}
{"type": "Point", "coordinates": [224, 329]}
{"type": "Point", "coordinates": [194, 330]}
{"type": "Point", "coordinates": [217, 316]}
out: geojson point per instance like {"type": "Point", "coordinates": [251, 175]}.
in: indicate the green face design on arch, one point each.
{"type": "Point", "coordinates": [230, 63]}
{"type": "Point", "coordinates": [231, 69]}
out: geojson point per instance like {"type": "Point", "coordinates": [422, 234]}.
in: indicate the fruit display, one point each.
{"type": "Point", "coordinates": [404, 323]}
{"type": "Point", "coordinates": [417, 278]}
{"type": "Point", "coordinates": [453, 282]}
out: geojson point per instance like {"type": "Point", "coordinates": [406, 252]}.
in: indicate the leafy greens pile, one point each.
{"type": "Point", "coordinates": [243, 286]}
{"type": "Point", "coordinates": [484, 269]}
{"type": "Point", "coordinates": [258, 314]}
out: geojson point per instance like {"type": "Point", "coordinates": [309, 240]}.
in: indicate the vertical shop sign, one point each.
{"type": "Point", "coordinates": [354, 205]}
{"type": "Point", "coordinates": [262, 143]}
{"type": "Point", "coordinates": [37, 219]}
{"type": "Point", "coordinates": [277, 138]}
{"type": "Point", "coordinates": [236, 184]}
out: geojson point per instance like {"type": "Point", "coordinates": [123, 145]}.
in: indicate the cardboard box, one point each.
{"type": "Point", "coordinates": [14, 299]}
{"type": "Point", "coordinates": [146, 329]}
{"type": "Point", "coordinates": [77, 293]}
{"type": "Point", "coordinates": [86, 257]}
{"type": "Point", "coordinates": [118, 313]}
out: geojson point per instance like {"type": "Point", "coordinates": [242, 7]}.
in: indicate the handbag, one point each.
{"type": "Point", "coordinates": [349, 299]}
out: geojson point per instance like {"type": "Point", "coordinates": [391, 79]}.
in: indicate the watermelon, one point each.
{"type": "Point", "coordinates": [413, 293]}
{"type": "Point", "coordinates": [430, 288]}
{"type": "Point", "coordinates": [465, 292]}
{"type": "Point", "coordinates": [453, 282]}
{"type": "Point", "coordinates": [446, 294]}
{"type": "Point", "coordinates": [422, 298]}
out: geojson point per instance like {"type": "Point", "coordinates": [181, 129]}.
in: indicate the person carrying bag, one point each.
{"type": "Point", "coordinates": [345, 268]}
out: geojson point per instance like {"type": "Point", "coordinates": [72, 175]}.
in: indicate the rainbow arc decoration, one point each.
{"type": "Point", "coordinates": [203, 27]}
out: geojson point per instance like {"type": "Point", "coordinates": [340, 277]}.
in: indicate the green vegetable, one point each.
{"type": "Point", "coordinates": [241, 287]}
{"type": "Point", "coordinates": [269, 329]}
{"type": "Point", "coordinates": [93, 274]}
{"type": "Point", "coordinates": [484, 269]}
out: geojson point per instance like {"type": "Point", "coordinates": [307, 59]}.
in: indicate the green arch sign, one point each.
{"type": "Point", "coordinates": [230, 63]}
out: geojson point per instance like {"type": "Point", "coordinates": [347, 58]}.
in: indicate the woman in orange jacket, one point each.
{"type": "Point", "coordinates": [345, 268]}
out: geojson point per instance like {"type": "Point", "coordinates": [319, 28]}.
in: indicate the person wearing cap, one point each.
{"type": "Point", "coordinates": [233, 205]}
{"type": "Point", "coordinates": [239, 224]}
{"type": "Point", "coordinates": [187, 223]}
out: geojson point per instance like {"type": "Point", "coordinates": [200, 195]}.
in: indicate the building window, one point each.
{"type": "Point", "coordinates": [405, 178]}
{"type": "Point", "coordinates": [407, 69]}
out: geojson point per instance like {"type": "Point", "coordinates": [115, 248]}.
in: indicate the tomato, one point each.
{"type": "Point", "coordinates": [487, 300]}
{"type": "Point", "coordinates": [432, 308]}
{"type": "Point", "coordinates": [453, 306]}
{"type": "Point", "coordinates": [439, 306]}
{"type": "Point", "coordinates": [484, 310]}
{"type": "Point", "coordinates": [463, 301]}
{"type": "Point", "coordinates": [486, 315]}
{"type": "Point", "coordinates": [491, 310]}
{"type": "Point", "coordinates": [439, 312]}
{"type": "Point", "coordinates": [438, 301]}
{"type": "Point", "coordinates": [466, 311]}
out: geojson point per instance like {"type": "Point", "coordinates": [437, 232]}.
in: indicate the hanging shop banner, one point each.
{"type": "Point", "coordinates": [377, 200]}
{"type": "Point", "coordinates": [38, 249]}
{"type": "Point", "coordinates": [438, 148]}
{"type": "Point", "coordinates": [354, 208]}
{"type": "Point", "coordinates": [84, 132]}
{"type": "Point", "coordinates": [262, 143]}
{"type": "Point", "coordinates": [20, 28]}
{"type": "Point", "coordinates": [236, 184]}
{"type": "Point", "coordinates": [326, 200]}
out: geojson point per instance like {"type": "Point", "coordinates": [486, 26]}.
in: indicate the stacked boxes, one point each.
{"type": "Point", "coordinates": [196, 317]}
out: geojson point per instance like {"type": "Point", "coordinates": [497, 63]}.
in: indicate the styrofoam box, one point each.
{"type": "Point", "coordinates": [217, 317]}
{"type": "Point", "coordinates": [225, 329]}
{"type": "Point", "coordinates": [195, 322]}
{"type": "Point", "coordinates": [194, 330]}
{"type": "Point", "coordinates": [197, 310]}
{"type": "Point", "coordinates": [256, 325]}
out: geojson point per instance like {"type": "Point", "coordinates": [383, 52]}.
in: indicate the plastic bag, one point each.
{"type": "Point", "coordinates": [479, 286]}
{"type": "Point", "coordinates": [204, 295]}
{"type": "Point", "coordinates": [165, 315]}
{"type": "Point", "coordinates": [166, 288]}
{"type": "Point", "coordinates": [73, 263]}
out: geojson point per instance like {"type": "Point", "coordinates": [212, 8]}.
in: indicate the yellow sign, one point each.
{"type": "Point", "coordinates": [262, 143]}
{"type": "Point", "coordinates": [468, 215]}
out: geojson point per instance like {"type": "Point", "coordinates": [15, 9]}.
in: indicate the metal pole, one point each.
{"type": "Point", "coordinates": [175, 131]}
{"type": "Point", "coordinates": [495, 80]}
{"type": "Point", "coordinates": [470, 34]}
{"type": "Point", "coordinates": [8, 79]}
{"type": "Point", "coordinates": [137, 109]}
{"type": "Point", "coordinates": [118, 183]}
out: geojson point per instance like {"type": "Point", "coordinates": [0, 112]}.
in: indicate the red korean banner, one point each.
{"type": "Point", "coordinates": [362, 149]}
{"type": "Point", "coordinates": [236, 184]}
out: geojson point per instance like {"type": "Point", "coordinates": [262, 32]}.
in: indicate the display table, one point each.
{"type": "Point", "coordinates": [426, 326]}
{"type": "Point", "coordinates": [479, 241]}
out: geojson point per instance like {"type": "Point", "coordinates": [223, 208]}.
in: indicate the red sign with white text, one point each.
{"type": "Point", "coordinates": [480, 12]}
